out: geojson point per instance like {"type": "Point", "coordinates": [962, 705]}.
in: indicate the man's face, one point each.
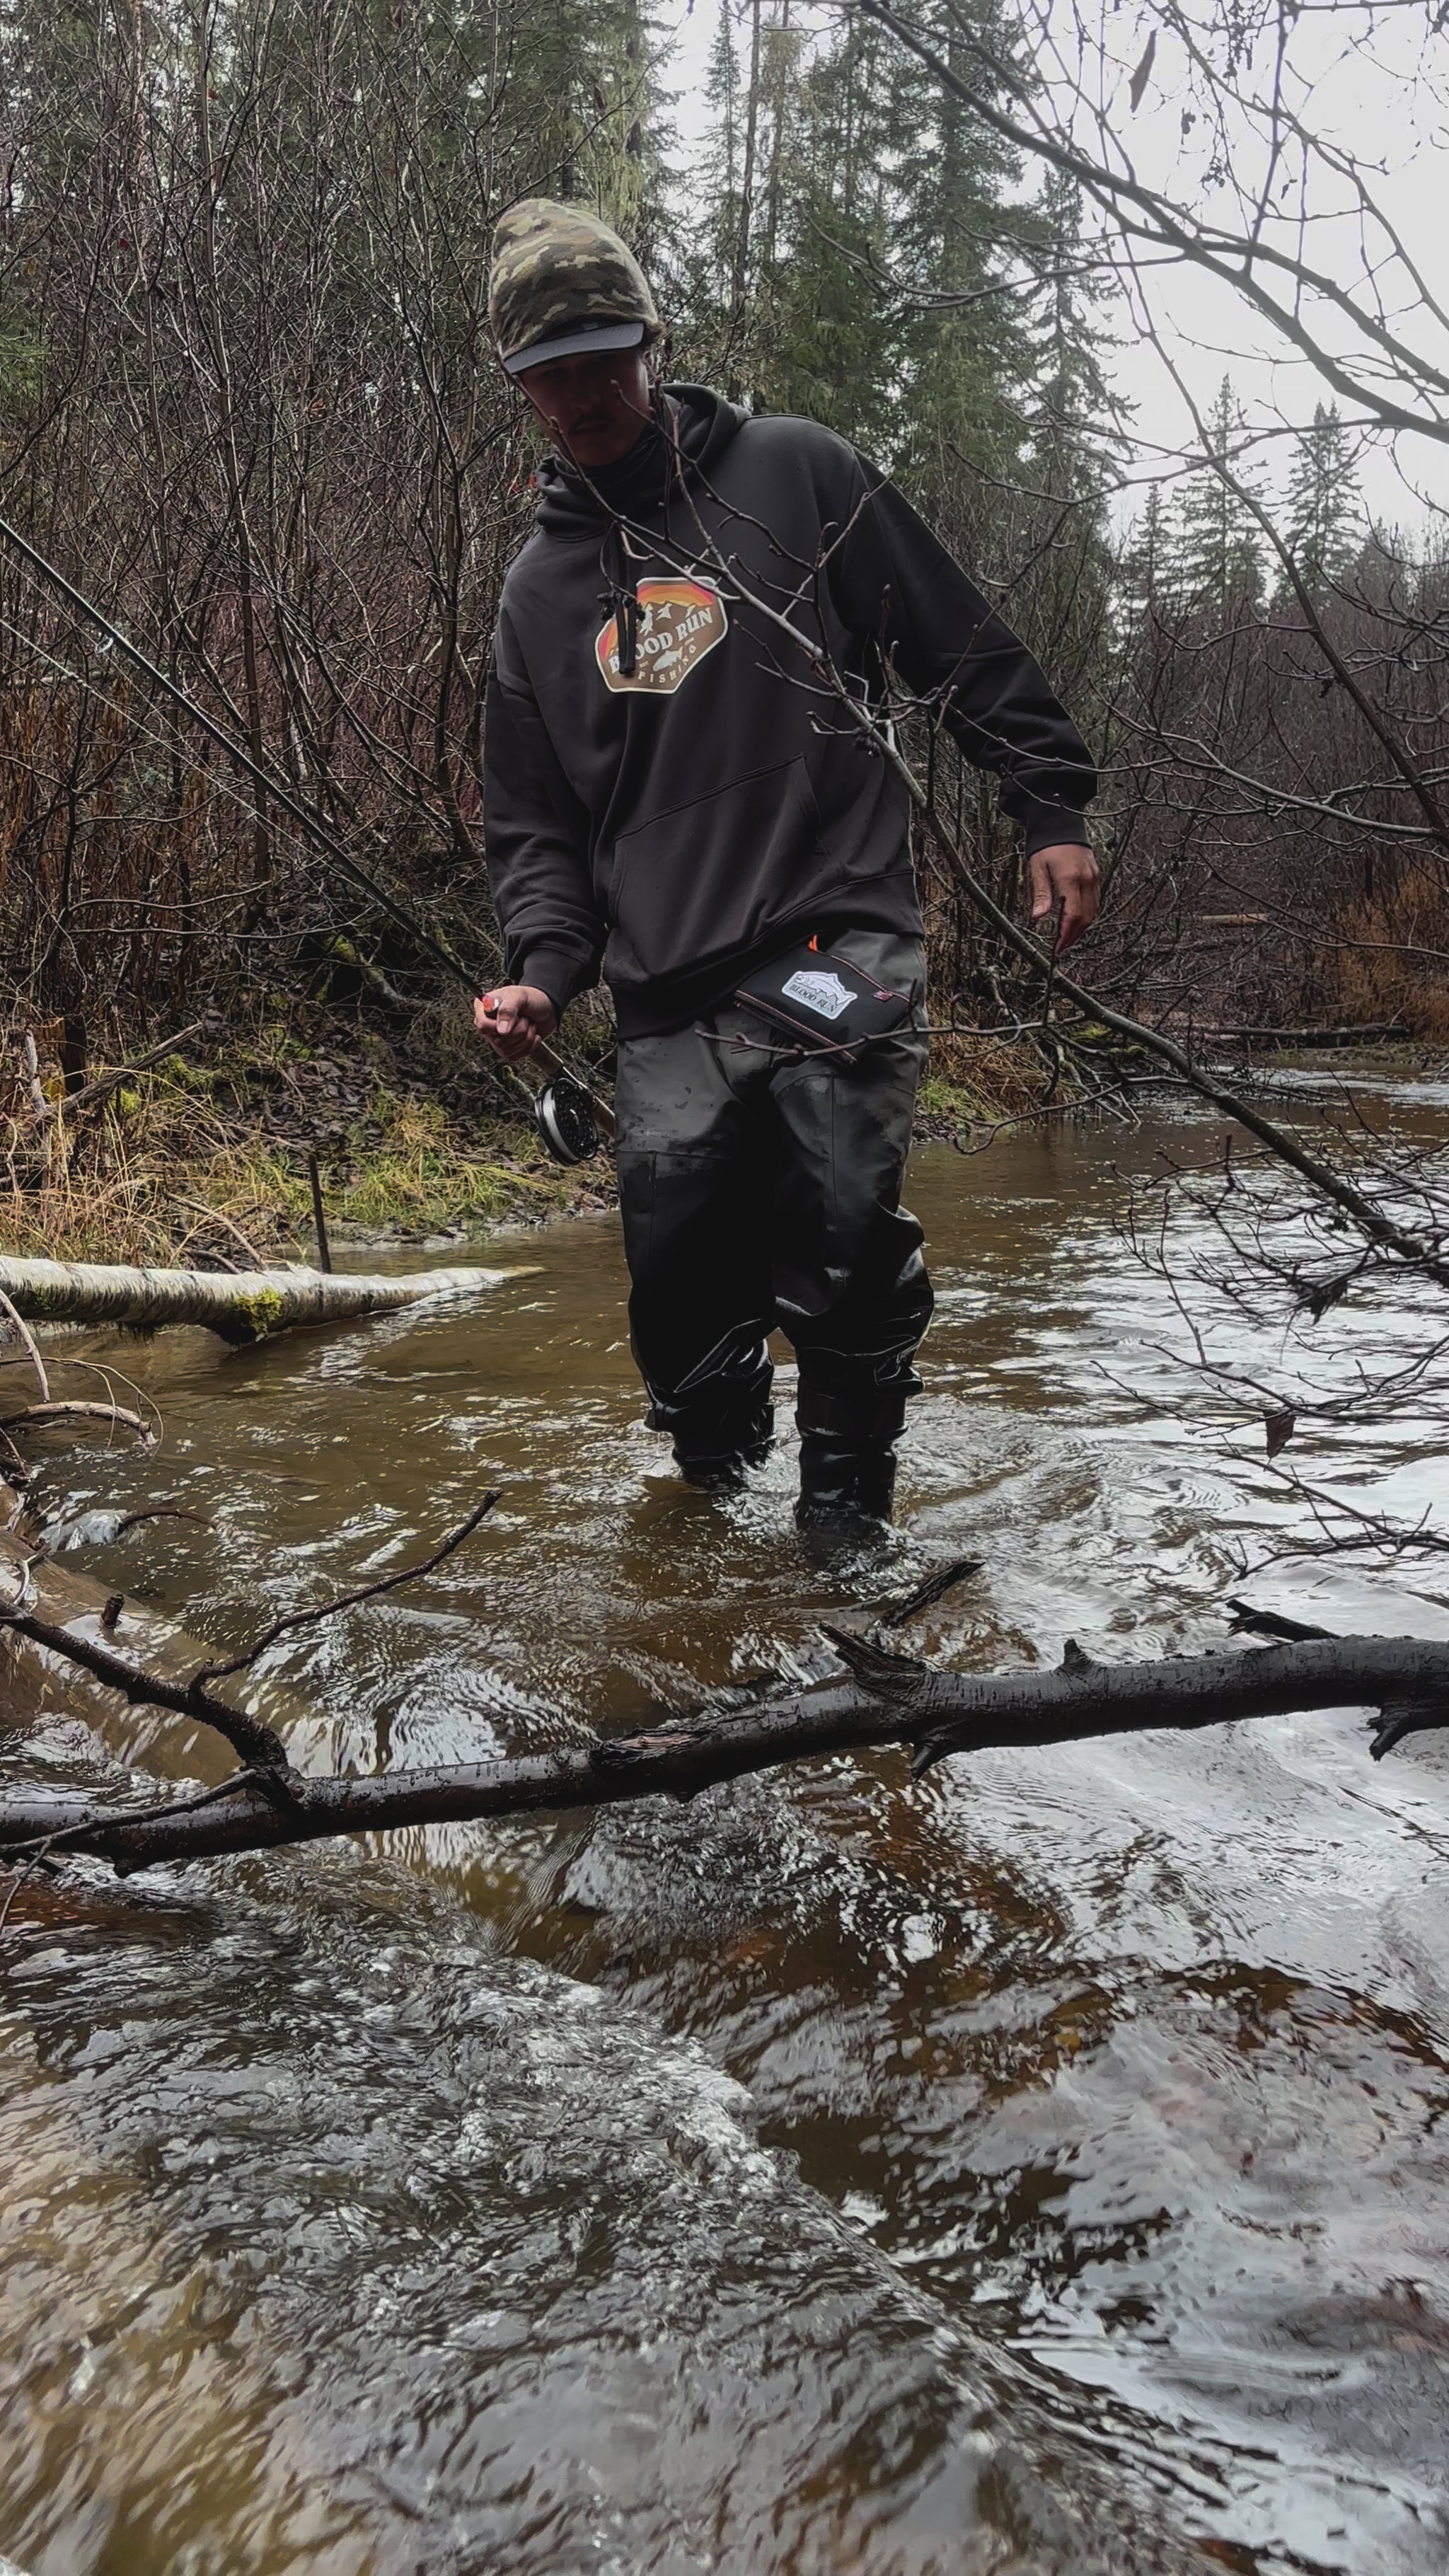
{"type": "Point", "coordinates": [593, 406]}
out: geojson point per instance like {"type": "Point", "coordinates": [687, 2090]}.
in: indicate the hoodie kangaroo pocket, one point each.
{"type": "Point", "coordinates": [711, 876]}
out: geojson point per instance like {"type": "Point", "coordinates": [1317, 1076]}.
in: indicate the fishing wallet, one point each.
{"type": "Point", "coordinates": [823, 1003]}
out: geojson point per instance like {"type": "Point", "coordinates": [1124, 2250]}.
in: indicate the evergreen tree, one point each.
{"type": "Point", "coordinates": [1216, 550]}
{"type": "Point", "coordinates": [1324, 510]}
{"type": "Point", "coordinates": [956, 237]}
{"type": "Point", "coordinates": [1145, 580]}
{"type": "Point", "coordinates": [828, 340]}
{"type": "Point", "coordinates": [1071, 413]}
{"type": "Point", "coordinates": [854, 238]}
{"type": "Point", "coordinates": [580, 97]}
{"type": "Point", "coordinates": [721, 209]}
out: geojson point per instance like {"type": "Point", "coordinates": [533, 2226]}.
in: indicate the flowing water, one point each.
{"type": "Point", "coordinates": [1042, 2167]}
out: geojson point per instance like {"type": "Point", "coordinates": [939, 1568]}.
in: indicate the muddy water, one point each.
{"type": "Point", "coordinates": [1040, 2168]}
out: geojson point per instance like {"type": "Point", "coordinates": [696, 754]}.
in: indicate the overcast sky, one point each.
{"type": "Point", "coordinates": [1368, 81]}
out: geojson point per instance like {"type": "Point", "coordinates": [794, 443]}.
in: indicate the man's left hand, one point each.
{"type": "Point", "coordinates": [1065, 874]}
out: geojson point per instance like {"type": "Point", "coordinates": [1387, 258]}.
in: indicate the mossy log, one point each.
{"type": "Point", "coordinates": [242, 1306]}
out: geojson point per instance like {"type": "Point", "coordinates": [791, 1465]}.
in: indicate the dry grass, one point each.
{"type": "Point", "coordinates": [974, 1078]}
{"type": "Point", "coordinates": [177, 1166]}
{"type": "Point", "coordinates": [1396, 967]}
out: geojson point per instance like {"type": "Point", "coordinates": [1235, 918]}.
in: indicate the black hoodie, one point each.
{"type": "Point", "coordinates": [704, 809]}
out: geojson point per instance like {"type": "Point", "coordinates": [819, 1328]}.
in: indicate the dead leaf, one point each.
{"type": "Point", "coordinates": [1140, 76]}
{"type": "Point", "coordinates": [1279, 1429]}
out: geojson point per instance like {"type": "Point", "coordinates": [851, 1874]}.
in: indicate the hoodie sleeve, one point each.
{"type": "Point", "coordinates": [536, 836]}
{"type": "Point", "coordinates": [901, 587]}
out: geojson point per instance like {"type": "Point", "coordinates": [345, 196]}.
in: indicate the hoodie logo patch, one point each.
{"type": "Point", "coordinates": [679, 622]}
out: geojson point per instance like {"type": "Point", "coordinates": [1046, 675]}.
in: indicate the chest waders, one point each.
{"type": "Point", "coordinates": [760, 1187]}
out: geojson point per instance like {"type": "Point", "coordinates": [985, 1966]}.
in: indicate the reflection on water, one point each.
{"type": "Point", "coordinates": [1040, 2167]}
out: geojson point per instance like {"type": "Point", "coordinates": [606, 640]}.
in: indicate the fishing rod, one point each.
{"type": "Point", "coordinates": [566, 1111]}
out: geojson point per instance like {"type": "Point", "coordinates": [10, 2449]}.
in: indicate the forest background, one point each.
{"type": "Point", "coordinates": [248, 405]}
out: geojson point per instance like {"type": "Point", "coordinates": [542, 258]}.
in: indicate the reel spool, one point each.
{"type": "Point", "coordinates": [570, 1121]}
{"type": "Point", "coordinates": [564, 1115]}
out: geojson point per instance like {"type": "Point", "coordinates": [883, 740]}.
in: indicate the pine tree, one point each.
{"type": "Point", "coordinates": [1324, 510]}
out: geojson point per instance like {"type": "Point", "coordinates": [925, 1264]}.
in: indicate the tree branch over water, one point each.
{"type": "Point", "coordinates": [887, 1699]}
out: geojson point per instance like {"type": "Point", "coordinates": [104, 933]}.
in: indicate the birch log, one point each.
{"type": "Point", "coordinates": [242, 1306]}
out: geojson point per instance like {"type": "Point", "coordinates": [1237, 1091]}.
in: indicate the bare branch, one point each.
{"type": "Point", "coordinates": [898, 1702]}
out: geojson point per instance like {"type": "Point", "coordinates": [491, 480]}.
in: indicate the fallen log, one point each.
{"type": "Point", "coordinates": [1371, 1033]}
{"type": "Point", "coordinates": [888, 1700]}
{"type": "Point", "coordinates": [242, 1306]}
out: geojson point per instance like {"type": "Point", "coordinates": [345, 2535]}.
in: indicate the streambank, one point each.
{"type": "Point", "coordinates": [202, 1157]}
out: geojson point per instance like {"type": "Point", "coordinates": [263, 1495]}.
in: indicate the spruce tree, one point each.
{"type": "Point", "coordinates": [1324, 510]}
{"type": "Point", "coordinates": [1070, 413]}
{"type": "Point", "coordinates": [1145, 581]}
{"type": "Point", "coordinates": [954, 240]}
{"type": "Point", "coordinates": [1216, 549]}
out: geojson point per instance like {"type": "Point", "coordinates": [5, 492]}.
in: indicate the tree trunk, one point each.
{"type": "Point", "coordinates": [242, 1306]}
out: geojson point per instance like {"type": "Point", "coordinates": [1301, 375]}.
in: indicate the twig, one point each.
{"type": "Point", "coordinates": [29, 1340]}
{"type": "Point", "coordinates": [216, 1216]}
{"type": "Point", "coordinates": [933, 1589]}
{"type": "Point", "coordinates": [30, 1068]}
{"type": "Point", "coordinates": [1272, 1623]}
{"type": "Point", "coordinates": [160, 1512]}
{"type": "Point", "coordinates": [112, 1413]}
{"type": "Point", "coordinates": [346, 1600]}
{"type": "Point", "coordinates": [324, 1248]}
{"type": "Point", "coordinates": [249, 1736]}
{"type": "Point", "coordinates": [107, 1082]}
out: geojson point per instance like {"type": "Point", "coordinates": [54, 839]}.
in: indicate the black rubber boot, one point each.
{"type": "Point", "coordinates": [848, 1450]}
{"type": "Point", "coordinates": [842, 1487]}
{"type": "Point", "coordinates": [716, 1455]}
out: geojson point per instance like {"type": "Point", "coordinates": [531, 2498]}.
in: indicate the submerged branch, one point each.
{"type": "Point", "coordinates": [887, 1700]}
{"type": "Point", "coordinates": [249, 1736]}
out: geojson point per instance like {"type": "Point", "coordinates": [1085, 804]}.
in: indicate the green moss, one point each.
{"type": "Point", "coordinates": [943, 1102]}
{"type": "Point", "coordinates": [251, 1316]}
{"type": "Point", "coordinates": [188, 1077]}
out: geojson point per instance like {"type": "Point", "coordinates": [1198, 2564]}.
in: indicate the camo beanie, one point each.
{"type": "Point", "coordinates": [563, 283]}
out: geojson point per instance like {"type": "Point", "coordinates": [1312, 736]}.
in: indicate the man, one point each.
{"type": "Point", "coordinates": [675, 786]}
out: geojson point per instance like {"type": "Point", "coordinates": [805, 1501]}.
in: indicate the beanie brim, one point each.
{"type": "Point", "coordinates": [589, 337]}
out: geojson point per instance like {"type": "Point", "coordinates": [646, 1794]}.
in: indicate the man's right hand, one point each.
{"type": "Point", "coordinates": [515, 1019]}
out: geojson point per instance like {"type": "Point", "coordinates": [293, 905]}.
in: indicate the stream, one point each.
{"type": "Point", "coordinates": [1041, 2168]}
